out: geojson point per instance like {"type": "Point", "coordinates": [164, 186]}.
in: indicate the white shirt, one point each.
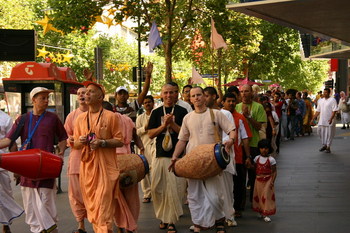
{"type": "Point", "coordinates": [326, 107]}
{"type": "Point", "coordinates": [5, 126]}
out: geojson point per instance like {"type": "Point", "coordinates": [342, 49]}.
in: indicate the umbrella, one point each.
{"type": "Point", "coordinates": [241, 81]}
{"type": "Point", "coordinates": [275, 85]}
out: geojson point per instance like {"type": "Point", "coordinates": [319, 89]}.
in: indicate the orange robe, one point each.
{"type": "Point", "coordinates": [99, 172]}
{"type": "Point", "coordinates": [128, 202]}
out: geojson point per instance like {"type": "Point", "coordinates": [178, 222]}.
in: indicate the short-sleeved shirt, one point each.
{"type": "Point", "coordinates": [44, 138]}
{"type": "Point", "coordinates": [326, 107]}
{"type": "Point", "coordinates": [198, 128]}
{"type": "Point", "coordinates": [258, 113]}
{"type": "Point", "coordinates": [263, 160]}
{"type": "Point", "coordinates": [156, 120]}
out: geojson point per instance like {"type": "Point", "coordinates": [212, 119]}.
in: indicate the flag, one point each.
{"type": "Point", "coordinates": [196, 77]}
{"type": "Point", "coordinates": [154, 37]}
{"type": "Point", "coordinates": [215, 38]}
{"type": "Point", "coordinates": [197, 46]}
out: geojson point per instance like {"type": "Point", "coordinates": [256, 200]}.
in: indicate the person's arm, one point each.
{"type": "Point", "coordinates": [62, 145]}
{"type": "Point", "coordinates": [5, 142]}
{"type": "Point", "coordinates": [332, 117]}
{"type": "Point", "coordinates": [138, 141]}
{"type": "Point", "coordinates": [152, 133]}
{"type": "Point", "coordinates": [148, 70]}
{"type": "Point", "coordinates": [140, 129]}
{"type": "Point", "coordinates": [179, 148]}
{"type": "Point", "coordinates": [272, 124]}
{"type": "Point", "coordinates": [315, 117]}
{"type": "Point", "coordinates": [105, 143]}
{"type": "Point", "coordinates": [274, 174]}
{"type": "Point", "coordinates": [175, 127]}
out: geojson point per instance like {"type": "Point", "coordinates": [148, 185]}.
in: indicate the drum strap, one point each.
{"type": "Point", "coordinates": [216, 131]}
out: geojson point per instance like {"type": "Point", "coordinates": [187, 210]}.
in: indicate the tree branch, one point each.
{"type": "Point", "coordinates": [184, 24]}
{"type": "Point", "coordinates": [146, 13]}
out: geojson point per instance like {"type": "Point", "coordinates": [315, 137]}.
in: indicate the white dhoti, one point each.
{"type": "Point", "coordinates": [227, 184]}
{"type": "Point", "coordinates": [40, 208]}
{"type": "Point", "coordinates": [326, 134]}
{"type": "Point", "coordinates": [206, 201]}
{"type": "Point", "coordinates": [146, 182]}
{"type": "Point", "coordinates": [9, 209]}
{"type": "Point", "coordinates": [168, 191]}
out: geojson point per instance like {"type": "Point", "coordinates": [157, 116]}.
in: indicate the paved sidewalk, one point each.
{"type": "Point", "coordinates": [312, 191]}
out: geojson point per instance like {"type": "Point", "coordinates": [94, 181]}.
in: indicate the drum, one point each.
{"type": "Point", "coordinates": [133, 168]}
{"type": "Point", "coordinates": [202, 162]}
{"type": "Point", "coordinates": [35, 164]}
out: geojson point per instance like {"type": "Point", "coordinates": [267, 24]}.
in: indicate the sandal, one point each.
{"type": "Point", "coordinates": [146, 200]}
{"type": "Point", "coordinates": [220, 227]}
{"type": "Point", "coordinates": [163, 225]}
{"type": "Point", "coordinates": [171, 228]}
{"type": "Point", "coordinates": [79, 231]}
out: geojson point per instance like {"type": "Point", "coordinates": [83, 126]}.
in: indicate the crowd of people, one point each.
{"type": "Point", "coordinates": [249, 125]}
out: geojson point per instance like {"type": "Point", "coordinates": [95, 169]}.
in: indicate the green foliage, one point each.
{"type": "Point", "coordinates": [71, 15]}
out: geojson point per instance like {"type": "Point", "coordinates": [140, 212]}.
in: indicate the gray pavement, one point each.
{"type": "Point", "coordinates": [312, 191]}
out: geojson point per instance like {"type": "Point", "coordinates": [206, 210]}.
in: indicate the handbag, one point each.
{"type": "Point", "coordinates": [167, 143]}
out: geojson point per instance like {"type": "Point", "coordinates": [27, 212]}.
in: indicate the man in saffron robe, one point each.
{"type": "Point", "coordinates": [98, 133]}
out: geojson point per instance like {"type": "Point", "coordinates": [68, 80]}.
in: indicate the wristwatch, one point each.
{"type": "Point", "coordinates": [103, 143]}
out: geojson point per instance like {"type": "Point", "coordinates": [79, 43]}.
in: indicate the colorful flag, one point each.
{"type": "Point", "coordinates": [196, 77]}
{"type": "Point", "coordinates": [215, 38]}
{"type": "Point", "coordinates": [154, 37]}
{"type": "Point", "coordinates": [197, 46]}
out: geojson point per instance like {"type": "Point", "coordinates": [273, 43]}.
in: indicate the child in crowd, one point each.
{"type": "Point", "coordinates": [264, 192]}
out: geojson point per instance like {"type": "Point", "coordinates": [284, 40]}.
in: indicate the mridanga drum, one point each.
{"type": "Point", "coordinates": [35, 164]}
{"type": "Point", "coordinates": [204, 161]}
{"type": "Point", "coordinates": [133, 168]}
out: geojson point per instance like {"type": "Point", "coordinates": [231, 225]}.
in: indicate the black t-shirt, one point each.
{"type": "Point", "coordinates": [156, 120]}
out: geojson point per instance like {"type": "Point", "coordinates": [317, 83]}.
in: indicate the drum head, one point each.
{"type": "Point", "coordinates": [145, 163]}
{"type": "Point", "coordinates": [222, 157]}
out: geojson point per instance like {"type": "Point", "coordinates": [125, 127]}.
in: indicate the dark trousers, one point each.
{"type": "Point", "coordinates": [239, 190]}
{"type": "Point", "coordinates": [291, 125]}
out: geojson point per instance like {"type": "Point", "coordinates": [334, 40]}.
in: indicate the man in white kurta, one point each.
{"type": "Point", "coordinates": [9, 208]}
{"type": "Point", "coordinates": [205, 197]}
{"type": "Point", "coordinates": [327, 108]}
{"type": "Point", "coordinates": [148, 143]}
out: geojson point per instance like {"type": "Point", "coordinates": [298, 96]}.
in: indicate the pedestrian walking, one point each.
{"type": "Point", "coordinates": [327, 108]}
{"type": "Point", "coordinates": [264, 201]}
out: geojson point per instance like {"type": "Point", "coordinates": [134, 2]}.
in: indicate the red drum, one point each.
{"type": "Point", "coordinates": [35, 164]}
{"type": "Point", "coordinates": [133, 168]}
{"type": "Point", "coordinates": [202, 162]}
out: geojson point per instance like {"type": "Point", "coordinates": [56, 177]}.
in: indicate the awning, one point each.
{"type": "Point", "coordinates": [328, 19]}
{"type": "Point", "coordinates": [338, 54]}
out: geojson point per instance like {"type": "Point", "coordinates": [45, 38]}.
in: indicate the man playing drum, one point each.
{"type": "Point", "coordinates": [205, 197]}
{"type": "Point", "coordinates": [39, 131]}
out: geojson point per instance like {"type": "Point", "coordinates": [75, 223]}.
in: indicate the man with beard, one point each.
{"type": "Point", "coordinates": [74, 192]}
{"type": "Point", "coordinates": [327, 108]}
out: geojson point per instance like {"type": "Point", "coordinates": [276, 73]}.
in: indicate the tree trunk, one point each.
{"type": "Point", "coordinates": [168, 62]}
